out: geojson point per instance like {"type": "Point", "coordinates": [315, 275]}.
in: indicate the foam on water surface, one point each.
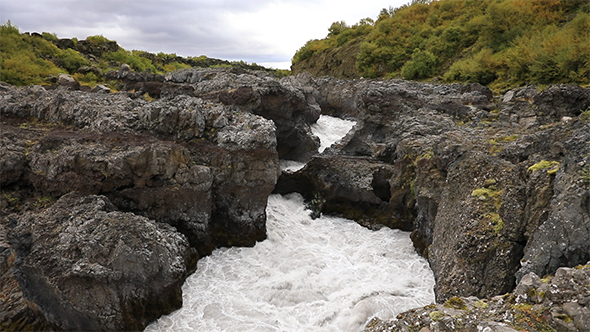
{"type": "Point", "coordinates": [330, 130]}
{"type": "Point", "coordinates": [327, 274]}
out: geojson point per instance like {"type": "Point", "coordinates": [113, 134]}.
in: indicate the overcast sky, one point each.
{"type": "Point", "coordinates": [267, 32]}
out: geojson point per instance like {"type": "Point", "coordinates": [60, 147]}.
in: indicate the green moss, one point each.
{"type": "Point", "coordinates": [552, 166]}
{"type": "Point", "coordinates": [456, 302]}
{"type": "Point", "coordinates": [491, 195]}
{"type": "Point", "coordinates": [489, 182]}
{"type": "Point", "coordinates": [436, 315]}
{"type": "Point", "coordinates": [43, 202]}
{"type": "Point", "coordinates": [523, 306]}
{"type": "Point", "coordinates": [496, 222]}
{"type": "Point", "coordinates": [480, 304]}
{"type": "Point", "coordinates": [11, 199]}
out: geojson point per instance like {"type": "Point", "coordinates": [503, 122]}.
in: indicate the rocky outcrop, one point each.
{"type": "Point", "coordinates": [88, 267]}
{"type": "Point", "coordinates": [87, 46]}
{"type": "Point", "coordinates": [557, 303]}
{"type": "Point", "coordinates": [288, 103]}
{"type": "Point", "coordinates": [285, 102]}
{"type": "Point", "coordinates": [198, 166]}
{"type": "Point", "coordinates": [493, 189]}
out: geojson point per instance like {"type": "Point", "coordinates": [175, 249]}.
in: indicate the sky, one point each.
{"type": "Point", "coordinates": [266, 32]}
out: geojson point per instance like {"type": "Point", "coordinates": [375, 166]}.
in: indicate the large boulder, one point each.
{"type": "Point", "coordinates": [88, 267]}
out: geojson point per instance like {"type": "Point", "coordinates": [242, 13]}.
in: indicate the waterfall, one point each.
{"type": "Point", "coordinates": [327, 274]}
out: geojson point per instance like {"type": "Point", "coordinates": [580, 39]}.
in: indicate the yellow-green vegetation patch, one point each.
{"type": "Point", "coordinates": [480, 304]}
{"type": "Point", "coordinates": [43, 202]}
{"type": "Point", "coordinates": [497, 144]}
{"type": "Point", "coordinates": [491, 194]}
{"type": "Point", "coordinates": [527, 316]}
{"type": "Point", "coordinates": [436, 315]}
{"type": "Point", "coordinates": [489, 182]}
{"type": "Point", "coordinates": [456, 302]}
{"type": "Point", "coordinates": [550, 166]}
{"type": "Point", "coordinates": [496, 222]}
{"type": "Point", "coordinates": [11, 199]}
{"type": "Point", "coordinates": [585, 175]}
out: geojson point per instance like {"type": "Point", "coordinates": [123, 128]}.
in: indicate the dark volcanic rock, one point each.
{"type": "Point", "coordinates": [201, 167]}
{"type": "Point", "coordinates": [89, 267]}
{"type": "Point", "coordinates": [558, 303]}
{"type": "Point", "coordinates": [563, 238]}
{"type": "Point", "coordinates": [488, 188]}
{"type": "Point", "coordinates": [352, 187]}
{"type": "Point", "coordinates": [284, 102]}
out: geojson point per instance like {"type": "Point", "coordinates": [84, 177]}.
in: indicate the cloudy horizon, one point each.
{"type": "Point", "coordinates": [266, 32]}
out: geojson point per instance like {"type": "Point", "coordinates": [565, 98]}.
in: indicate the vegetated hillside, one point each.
{"type": "Point", "coordinates": [500, 43]}
{"type": "Point", "coordinates": [37, 58]}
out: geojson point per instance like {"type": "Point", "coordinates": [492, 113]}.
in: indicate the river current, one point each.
{"type": "Point", "coordinates": [327, 274]}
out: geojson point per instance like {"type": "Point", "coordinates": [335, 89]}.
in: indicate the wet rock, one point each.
{"type": "Point", "coordinates": [468, 172]}
{"type": "Point", "coordinates": [352, 187]}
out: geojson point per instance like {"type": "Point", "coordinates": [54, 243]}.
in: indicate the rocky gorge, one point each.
{"type": "Point", "coordinates": [109, 199]}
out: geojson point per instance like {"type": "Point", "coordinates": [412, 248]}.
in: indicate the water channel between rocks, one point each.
{"type": "Point", "coordinates": [327, 274]}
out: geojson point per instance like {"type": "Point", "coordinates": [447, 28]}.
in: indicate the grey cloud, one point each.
{"type": "Point", "coordinates": [184, 27]}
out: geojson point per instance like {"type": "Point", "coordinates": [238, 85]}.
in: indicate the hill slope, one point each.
{"type": "Point", "coordinates": [33, 58]}
{"type": "Point", "coordinates": [500, 43]}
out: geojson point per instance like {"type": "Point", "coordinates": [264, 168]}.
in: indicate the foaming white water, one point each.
{"type": "Point", "coordinates": [290, 165]}
{"type": "Point", "coordinates": [327, 274]}
{"type": "Point", "coordinates": [330, 130]}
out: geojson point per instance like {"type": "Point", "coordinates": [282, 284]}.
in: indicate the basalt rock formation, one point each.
{"type": "Point", "coordinates": [289, 105]}
{"type": "Point", "coordinates": [91, 185]}
{"type": "Point", "coordinates": [492, 188]}
{"type": "Point", "coordinates": [556, 303]}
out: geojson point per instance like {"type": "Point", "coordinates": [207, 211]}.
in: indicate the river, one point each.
{"type": "Point", "coordinates": [327, 274]}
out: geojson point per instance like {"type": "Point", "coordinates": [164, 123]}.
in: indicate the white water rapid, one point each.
{"type": "Point", "coordinates": [327, 274]}
{"type": "Point", "coordinates": [329, 130]}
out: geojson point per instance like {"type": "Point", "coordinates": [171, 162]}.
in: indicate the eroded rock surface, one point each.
{"type": "Point", "coordinates": [288, 104]}
{"type": "Point", "coordinates": [557, 303]}
{"type": "Point", "coordinates": [88, 267]}
{"type": "Point", "coordinates": [493, 188]}
{"type": "Point", "coordinates": [201, 167]}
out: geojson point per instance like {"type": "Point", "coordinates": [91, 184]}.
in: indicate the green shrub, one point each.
{"type": "Point", "coordinates": [97, 40]}
{"type": "Point", "coordinates": [72, 60]}
{"type": "Point", "coordinates": [422, 65]}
